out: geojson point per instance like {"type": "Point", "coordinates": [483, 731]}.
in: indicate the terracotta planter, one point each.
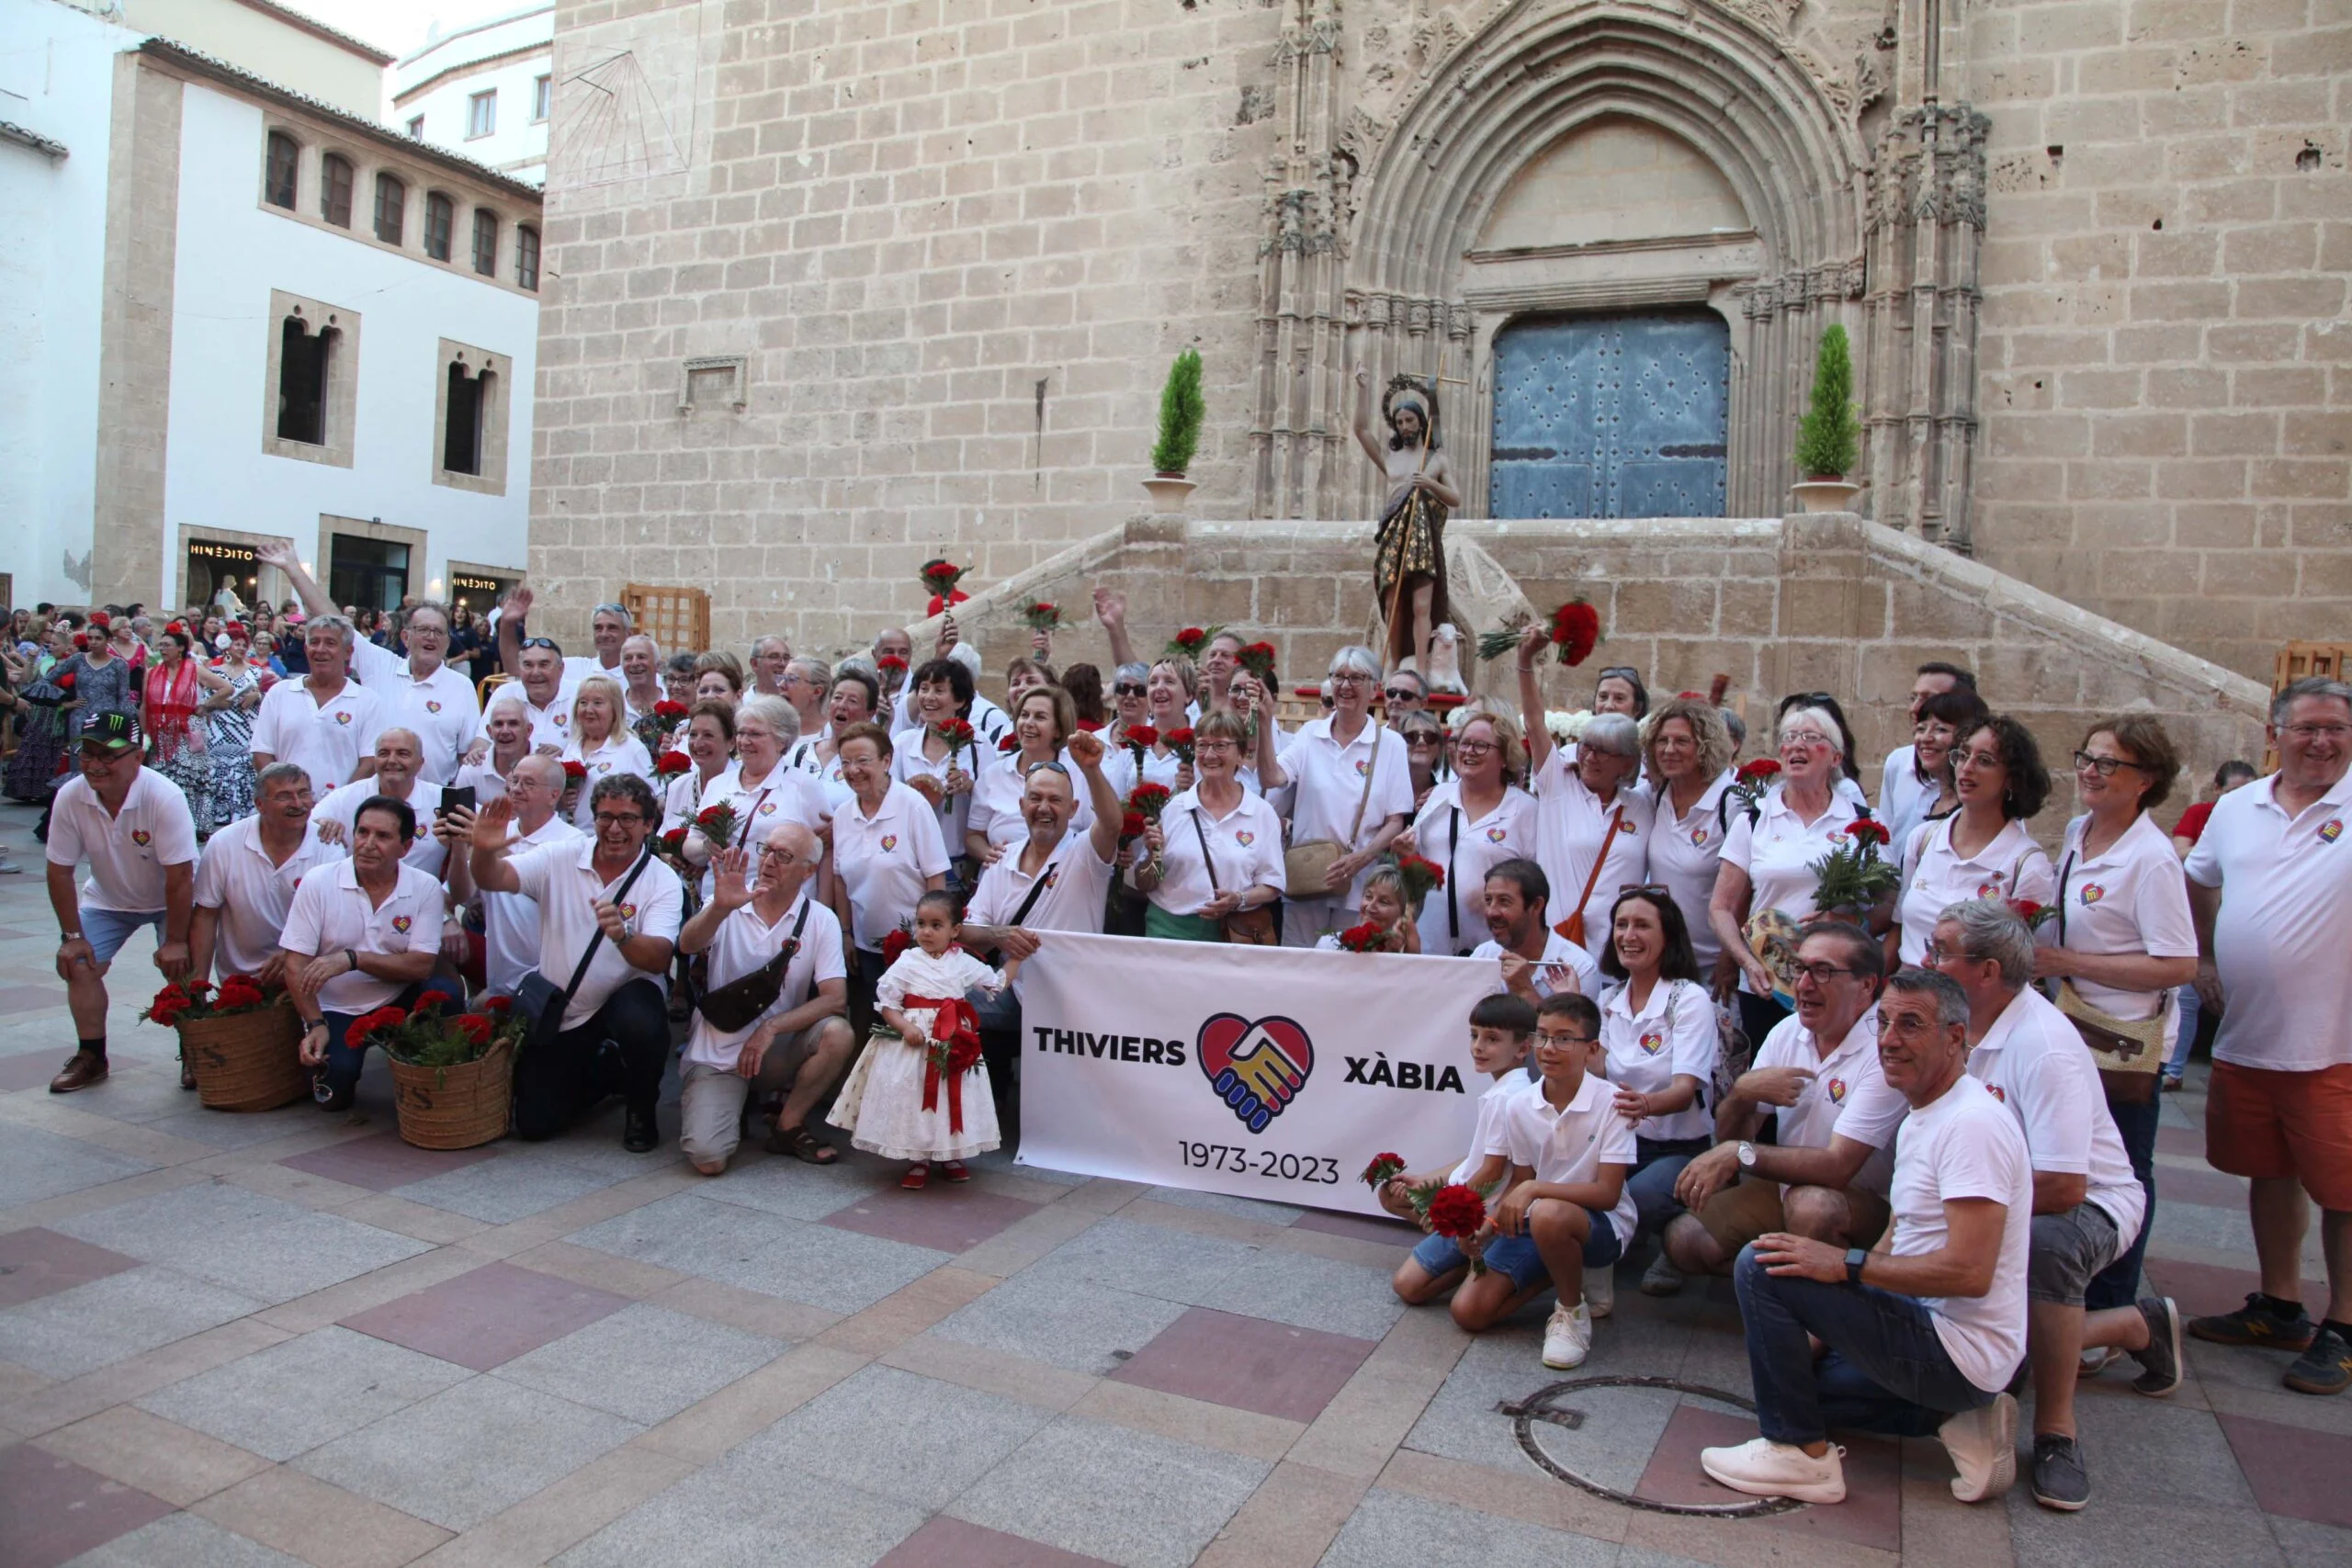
{"type": "Point", "coordinates": [247, 1061]}
{"type": "Point", "coordinates": [455, 1108]}
{"type": "Point", "coordinates": [1825, 495]}
{"type": "Point", "coordinates": [1168, 493]}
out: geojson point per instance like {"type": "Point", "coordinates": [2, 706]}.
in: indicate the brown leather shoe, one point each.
{"type": "Point", "coordinates": [86, 1069]}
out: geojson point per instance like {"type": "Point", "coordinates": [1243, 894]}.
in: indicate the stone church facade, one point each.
{"type": "Point", "coordinates": [841, 285]}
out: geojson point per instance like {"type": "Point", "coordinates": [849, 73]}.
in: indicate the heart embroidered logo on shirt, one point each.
{"type": "Point", "coordinates": [2092, 894]}
{"type": "Point", "coordinates": [1987, 889]}
{"type": "Point", "coordinates": [1994, 1090]}
{"type": "Point", "coordinates": [767, 808]}
{"type": "Point", "coordinates": [342, 718]}
{"type": "Point", "coordinates": [890, 842]}
{"type": "Point", "coordinates": [1360, 765]}
{"type": "Point", "coordinates": [1837, 1091]}
{"type": "Point", "coordinates": [401, 924]}
{"type": "Point", "coordinates": [1699, 834]}
{"type": "Point", "coordinates": [2331, 829]}
{"type": "Point", "coordinates": [140, 836]}
{"type": "Point", "coordinates": [628, 911]}
{"type": "Point", "coordinates": [1245, 838]}
{"type": "Point", "coordinates": [1653, 1043]}
{"type": "Point", "coordinates": [431, 706]}
{"type": "Point", "coordinates": [561, 719]}
{"type": "Point", "coordinates": [1496, 835]}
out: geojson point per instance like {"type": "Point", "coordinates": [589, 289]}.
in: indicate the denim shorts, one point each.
{"type": "Point", "coordinates": [106, 930]}
{"type": "Point", "coordinates": [1516, 1256]}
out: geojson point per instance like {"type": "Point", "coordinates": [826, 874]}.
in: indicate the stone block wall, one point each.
{"type": "Point", "coordinates": [2166, 410]}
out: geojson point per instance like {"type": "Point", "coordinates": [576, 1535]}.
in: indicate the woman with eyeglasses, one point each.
{"type": "Point", "coordinates": [1042, 721]}
{"type": "Point", "coordinates": [943, 771]}
{"type": "Point", "coordinates": [1768, 860]}
{"type": "Point", "coordinates": [1944, 718]}
{"type": "Point", "coordinates": [1216, 849]}
{"type": "Point", "coordinates": [1688, 755]}
{"type": "Point", "coordinates": [2123, 942]}
{"type": "Point", "coordinates": [1473, 821]}
{"type": "Point", "coordinates": [887, 852]}
{"type": "Point", "coordinates": [1984, 849]}
{"type": "Point", "coordinates": [763, 791]}
{"type": "Point", "coordinates": [1593, 825]}
{"type": "Point", "coordinates": [1849, 782]}
{"type": "Point", "coordinates": [1349, 785]}
{"type": "Point", "coordinates": [601, 744]}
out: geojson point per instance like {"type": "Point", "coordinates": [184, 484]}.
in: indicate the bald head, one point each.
{"type": "Point", "coordinates": [538, 770]}
{"type": "Point", "coordinates": [788, 857]}
{"type": "Point", "coordinates": [399, 754]}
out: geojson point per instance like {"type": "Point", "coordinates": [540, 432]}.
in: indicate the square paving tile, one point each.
{"type": "Point", "coordinates": [256, 1246]}
{"type": "Point", "coordinates": [2199, 1184]}
{"type": "Point", "coordinates": [35, 1165]}
{"type": "Point", "coordinates": [946, 1219]}
{"type": "Point", "coordinates": [183, 1540]}
{"type": "Point", "coordinates": [52, 1510]}
{"type": "Point", "coordinates": [1127, 1497]}
{"type": "Point", "coordinates": [2172, 1140]}
{"type": "Point", "coordinates": [1262, 1212]}
{"type": "Point", "coordinates": [1390, 1529]}
{"type": "Point", "coordinates": [1871, 1516]}
{"type": "Point", "coordinates": [36, 1261]}
{"type": "Point", "coordinates": [794, 1190]}
{"type": "Point", "coordinates": [15, 999]}
{"type": "Point", "coordinates": [909, 1437]}
{"type": "Point", "coordinates": [29, 1069]}
{"type": "Point", "coordinates": [312, 1389]}
{"type": "Point", "coordinates": [1301, 1289]}
{"type": "Point", "coordinates": [736, 1512]}
{"type": "Point", "coordinates": [643, 1363]}
{"type": "Point", "coordinates": [1078, 1327]}
{"type": "Point", "coordinates": [500, 1191]}
{"type": "Point", "coordinates": [947, 1542]}
{"type": "Point", "coordinates": [382, 1162]}
{"type": "Point", "coordinates": [92, 1326]}
{"type": "Point", "coordinates": [1274, 1369]}
{"type": "Point", "coordinates": [2295, 1471]}
{"type": "Point", "coordinates": [1149, 1260]}
{"type": "Point", "coordinates": [167, 1226]}
{"type": "Point", "coordinates": [839, 1270]}
{"type": "Point", "coordinates": [487, 1316]}
{"type": "Point", "coordinates": [468, 1452]}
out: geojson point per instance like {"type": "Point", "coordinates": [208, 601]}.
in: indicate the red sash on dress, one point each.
{"type": "Point", "coordinates": [955, 1045]}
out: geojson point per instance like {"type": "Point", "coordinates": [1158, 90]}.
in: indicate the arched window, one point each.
{"type": "Point", "coordinates": [334, 189]}
{"type": "Point", "coordinates": [526, 256]}
{"type": "Point", "coordinates": [391, 206]}
{"type": "Point", "coordinates": [285, 157]}
{"type": "Point", "coordinates": [302, 382]}
{"type": "Point", "coordinates": [485, 241]}
{"type": "Point", "coordinates": [440, 215]}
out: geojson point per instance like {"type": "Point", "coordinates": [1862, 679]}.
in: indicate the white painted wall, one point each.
{"type": "Point", "coordinates": [233, 251]}
{"type": "Point", "coordinates": [519, 146]}
{"type": "Point", "coordinates": [56, 79]}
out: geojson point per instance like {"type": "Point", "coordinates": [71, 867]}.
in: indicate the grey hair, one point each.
{"type": "Point", "coordinates": [527, 758]}
{"type": "Point", "coordinates": [817, 853]}
{"type": "Point", "coordinates": [815, 669]}
{"type": "Point", "coordinates": [2310, 686]}
{"type": "Point", "coordinates": [1414, 676]}
{"type": "Point", "coordinates": [1615, 733]}
{"type": "Point", "coordinates": [644, 638]}
{"type": "Point", "coordinates": [773, 711]}
{"type": "Point", "coordinates": [760, 642]}
{"type": "Point", "coordinates": [439, 608]}
{"type": "Point", "coordinates": [279, 770]}
{"type": "Point", "coordinates": [621, 610]}
{"type": "Point", "coordinates": [1821, 717]}
{"type": "Point", "coordinates": [1356, 659]}
{"type": "Point", "coordinates": [334, 623]}
{"type": "Point", "coordinates": [1951, 1002]}
{"type": "Point", "coordinates": [1134, 669]}
{"type": "Point", "coordinates": [510, 694]}
{"type": "Point", "coordinates": [1992, 932]}
{"type": "Point", "coordinates": [1735, 726]}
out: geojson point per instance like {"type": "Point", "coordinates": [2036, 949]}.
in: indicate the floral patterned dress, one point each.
{"type": "Point", "coordinates": [228, 738]}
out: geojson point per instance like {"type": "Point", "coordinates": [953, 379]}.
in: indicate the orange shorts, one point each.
{"type": "Point", "coordinates": [2263, 1123]}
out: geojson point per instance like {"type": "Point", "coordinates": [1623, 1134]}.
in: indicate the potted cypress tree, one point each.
{"type": "Point", "coordinates": [1829, 437]}
{"type": "Point", "coordinates": [1181, 411]}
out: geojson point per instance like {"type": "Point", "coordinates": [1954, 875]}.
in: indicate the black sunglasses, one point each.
{"type": "Point", "coordinates": [1126, 689]}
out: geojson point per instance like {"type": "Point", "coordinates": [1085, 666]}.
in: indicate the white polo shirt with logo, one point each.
{"type": "Point", "coordinates": [2132, 898]}
{"type": "Point", "coordinates": [1936, 875]}
{"type": "Point", "coordinates": [2035, 1063]}
{"type": "Point", "coordinates": [551, 725]}
{"type": "Point", "coordinates": [1570, 823]}
{"type": "Point", "coordinates": [1558, 952]}
{"type": "Point", "coordinates": [1960, 1146]}
{"type": "Point", "coordinates": [236, 877]}
{"type": "Point", "coordinates": [2278, 940]}
{"type": "Point", "coordinates": [1672, 1036]}
{"type": "Point", "coordinates": [744, 942]}
{"type": "Point", "coordinates": [1453, 918]}
{"type": "Point", "coordinates": [1328, 781]}
{"type": "Point", "coordinates": [1492, 1135]}
{"type": "Point", "coordinates": [560, 877]}
{"type": "Point", "coordinates": [1247, 842]}
{"type": "Point", "coordinates": [884, 861]}
{"type": "Point", "coordinates": [331, 911]}
{"type": "Point", "coordinates": [129, 851]}
{"type": "Point", "coordinates": [1847, 1095]}
{"type": "Point", "coordinates": [1078, 885]}
{"type": "Point", "coordinates": [325, 740]}
{"type": "Point", "coordinates": [619, 752]}
{"type": "Point", "coordinates": [442, 708]}
{"type": "Point", "coordinates": [427, 854]}
{"type": "Point", "coordinates": [1570, 1144]}
{"type": "Point", "coordinates": [1686, 852]}
{"type": "Point", "coordinates": [510, 922]}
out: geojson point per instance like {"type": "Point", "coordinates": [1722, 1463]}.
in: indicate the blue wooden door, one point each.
{"type": "Point", "coordinates": [1611, 416]}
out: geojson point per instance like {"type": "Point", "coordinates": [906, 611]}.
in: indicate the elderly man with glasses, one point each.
{"type": "Point", "coordinates": [1825, 1173]}
{"type": "Point", "coordinates": [614, 1035]}
{"type": "Point", "coordinates": [1405, 692]}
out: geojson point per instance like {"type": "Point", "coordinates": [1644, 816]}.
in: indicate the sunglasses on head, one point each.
{"type": "Point", "coordinates": [546, 642]}
{"type": "Point", "coordinates": [1618, 671]}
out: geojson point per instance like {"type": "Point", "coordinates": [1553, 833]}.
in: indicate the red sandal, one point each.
{"type": "Point", "coordinates": [955, 1170]}
{"type": "Point", "coordinates": [917, 1177]}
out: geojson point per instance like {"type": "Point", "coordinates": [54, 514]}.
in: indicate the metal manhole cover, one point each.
{"type": "Point", "coordinates": [1546, 1407]}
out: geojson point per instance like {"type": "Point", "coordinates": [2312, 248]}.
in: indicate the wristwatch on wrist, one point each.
{"type": "Point", "coordinates": [1746, 1154]}
{"type": "Point", "coordinates": [351, 958]}
{"type": "Point", "coordinates": [1855, 1259]}
{"type": "Point", "coordinates": [64, 937]}
{"type": "Point", "coordinates": [311, 1023]}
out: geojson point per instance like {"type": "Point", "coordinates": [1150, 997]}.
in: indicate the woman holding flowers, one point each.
{"type": "Point", "coordinates": [1213, 849]}
{"type": "Point", "coordinates": [1387, 925]}
{"type": "Point", "coordinates": [887, 852]}
{"type": "Point", "coordinates": [710, 737]}
{"type": "Point", "coordinates": [1043, 719]}
{"type": "Point", "coordinates": [1791, 815]}
{"type": "Point", "coordinates": [1349, 789]}
{"type": "Point", "coordinates": [2121, 940]}
{"type": "Point", "coordinates": [1982, 851]}
{"type": "Point", "coordinates": [1687, 755]}
{"type": "Point", "coordinates": [1474, 820]}
{"type": "Point", "coordinates": [167, 712]}
{"type": "Point", "coordinates": [1592, 822]}
{"type": "Point", "coordinates": [599, 744]}
{"type": "Point", "coordinates": [943, 763]}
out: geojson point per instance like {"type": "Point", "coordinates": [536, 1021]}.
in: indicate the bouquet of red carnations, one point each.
{"type": "Point", "coordinates": [1852, 876]}
{"type": "Point", "coordinates": [1192, 642]}
{"type": "Point", "coordinates": [715, 824]}
{"type": "Point", "coordinates": [672, 765]}
{"type": "Point", "coordinates": [1147, 800]}
{"type": "Point", "coordinates": [1420, 877]}
{"type": "Point", "coordinates": [200, 1000]}
{"type": "Point", "coordinates": [1180, 742]}
{"type": "Point", "coordinates": [1366, 938]}
{"type": "Point", "coordinates": [1572, 629]}
{"type": "Point", "coordinates": [1039, 616]}
{"type": "Point", "coordinates": [1259, 660]}
{"type": "Point", "coordinates": [939, 578]}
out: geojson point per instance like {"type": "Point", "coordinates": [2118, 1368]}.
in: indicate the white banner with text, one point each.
{"type": "Point", "coordinates": [1261, 1072]}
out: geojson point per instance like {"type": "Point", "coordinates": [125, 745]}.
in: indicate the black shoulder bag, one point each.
{"type": "Point", "coordinates": [537, 996]}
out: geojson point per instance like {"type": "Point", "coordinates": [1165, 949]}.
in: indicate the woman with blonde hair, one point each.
{"type": "Point", "coordinates": [599, 744]}
{"type": "Point", "coordinates": [1476, 820]}
{"type": "Point", "coordinates": [1687, 752]}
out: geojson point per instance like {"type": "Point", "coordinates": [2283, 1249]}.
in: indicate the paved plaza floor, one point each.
{"type": "Point", "coordinates": [229, 1341]}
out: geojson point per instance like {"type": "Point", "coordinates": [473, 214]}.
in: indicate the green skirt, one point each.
{"type": "Point", "coordinates": [1158, 922]}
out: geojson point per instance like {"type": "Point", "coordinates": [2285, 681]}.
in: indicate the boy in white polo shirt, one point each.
{"type": "Point", "coordinates": [1570, 1154]}
{"type": "Point", "coordinates": [1500, 1028]}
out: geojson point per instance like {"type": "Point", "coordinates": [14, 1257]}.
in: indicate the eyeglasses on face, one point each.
{"type": "Point", "coordinates": [618, 819]}
{"type": "Point", "coordinates": [1545, 1037]}
{"type": "Point", "coordinates": [2104, 766]}
{"type": "Point", "coordinates": [2318, 731]}
{"type": "Point", "coordinates": [1402, 695]}
{"type": "Point", "coordinates": [1473, 748]}
{"type": "Point", "coordinates": [1351, 678]}
{"type": "Point", "coordinates": [779, 854]}
{"type": "Point", "coordinates": [1822, 974]}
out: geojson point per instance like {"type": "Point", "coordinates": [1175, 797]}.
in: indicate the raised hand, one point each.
{"type": "Point", "coordinates": [1085, 748]}
{"type": "Point", "coordinates": [732, 881]}
{"type": "Point", "coordinates": [490, 824]}
{"type": "Point", "coordinates": [1110, 607]}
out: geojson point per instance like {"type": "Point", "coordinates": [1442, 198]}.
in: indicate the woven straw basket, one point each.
{"type": "Point", "coordinates": [455, 1108]}
{"type": "Point", "coordinates": [247, 1061]}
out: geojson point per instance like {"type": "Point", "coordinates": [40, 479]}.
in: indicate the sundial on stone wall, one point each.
{"type": "Point", "coordinates": [614, 126]}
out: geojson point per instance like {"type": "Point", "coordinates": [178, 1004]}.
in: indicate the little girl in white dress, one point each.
{"type": "Point", "coordinates": [882, 1102]}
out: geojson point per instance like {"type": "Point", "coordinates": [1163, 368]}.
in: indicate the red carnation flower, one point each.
{"type": "Point", "coordinates": [1131, 827]}
{"type": "Point", "coordinates": [475, 1028]}
{"type": "Point", "coordinates": [1761, 770]}
{"type": "Point", "coordinates": [895, 944]}
{"type": "Point", "coordinates": [1868, 831]}
{"type": "Point", "coordinates": [666, 708]}
{"type": "Point", "coordinates": [1259, 660]}
{"type": "Point", "coordinates": [673, 765]}
{"type": "Point", "coordinates": [1576, 628]}
{"type": "Point", "coordinates": [675, 839]}
{"type": "Point", "coordinates": [1457, 1212]}
{"type": "Point", "coordinates": [1142, 736]}
{"type": "Point", "coordinates": [1148, 799]}
{"type": "Point", "coordinates": [575, 771]}
{"type": "Point", "coordinates": [1365, 938]}
{"type": "Point", "coordinates": [1011, 742]}
{"type": "Point", "coordinates": [1383, 1167]}
{"type": "Point", "coordinates": [499, 1004]}
{"type": "Point", "coordinates": [892, 664]}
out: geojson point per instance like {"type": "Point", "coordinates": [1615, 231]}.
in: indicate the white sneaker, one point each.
{"type": "Point", "coordinates": [1762, 1467]}
{"type": "Point", "coordinates": [1984, 1448]}
{"type": "Point", "coordinates": [1568, 1338]}
{"type": "Point", "coordinates": [1662, 1278]}
{"type": "Point", "coordinates": [1600, 1291]}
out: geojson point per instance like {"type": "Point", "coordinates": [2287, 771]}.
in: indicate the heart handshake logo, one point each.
{"type": "Point", "coordinates": [1257, 1068]}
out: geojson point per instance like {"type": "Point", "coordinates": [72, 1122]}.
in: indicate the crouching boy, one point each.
{"type": "Point", "coordinates": [1499, 1027]}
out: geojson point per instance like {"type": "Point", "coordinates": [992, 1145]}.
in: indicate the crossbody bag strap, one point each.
{"type": "Point", "coordinates": [2064, 873]}
{"type": "Point", "coordinates": [1208, 859]}
{"type": "Point", "coordinates": [588, 954]}
{"type": "Point", "coordinates": [1452, 890]}
{"type": "Point", "coordinates": [1036, 890]}
{"type": "Point", "coordinates": [743, 834]}
{"type": "Point", "coordinates": [1616, 820]}
{"type": "Point", "coordinates": [1364, 799]}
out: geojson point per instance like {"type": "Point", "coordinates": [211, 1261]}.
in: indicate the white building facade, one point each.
{"type": "Point", "coordinates": [486, 91]}
{"type": "Point", "coordinates": [250, 317]}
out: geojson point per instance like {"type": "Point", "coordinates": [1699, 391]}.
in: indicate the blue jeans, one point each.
{"type": "Point", "coordinates": [1886, 1370]}
{"type": "Point", "coordinates": [2118, 1285]}
{"type": "Point", "coordinates": [2191, 1005]}
{"type": "Point", "coordinates": [1658, 1164]}
{"type": "Point", "coordinates": [340, 1074]}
